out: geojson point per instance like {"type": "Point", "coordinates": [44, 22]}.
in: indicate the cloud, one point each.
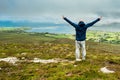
{"type": "Point", "coordinates": [41, 9]}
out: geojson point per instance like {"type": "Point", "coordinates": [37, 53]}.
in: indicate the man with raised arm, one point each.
{"type": "Point", "coordinates": [81, 29]}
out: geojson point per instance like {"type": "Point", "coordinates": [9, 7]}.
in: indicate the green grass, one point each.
{"type": "Point", "coordinates": [49, 46]}
{"type": "Point", "coordinates": [107, 37]}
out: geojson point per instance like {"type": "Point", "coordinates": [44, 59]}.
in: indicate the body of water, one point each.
{"type": "Point", "coordinates": [71, 30]}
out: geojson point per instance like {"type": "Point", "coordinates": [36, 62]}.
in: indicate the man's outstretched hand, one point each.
{"type": "Point", "coordinates": [63, 17]}
{"type": "Point", "coordinates": [100, 17]}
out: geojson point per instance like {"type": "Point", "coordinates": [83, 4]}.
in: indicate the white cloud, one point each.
{"type": "Point", "coordinates": [54, 9]}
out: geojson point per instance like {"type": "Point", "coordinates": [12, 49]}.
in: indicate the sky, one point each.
{"type": "Point", "coordinates": [53, 10]}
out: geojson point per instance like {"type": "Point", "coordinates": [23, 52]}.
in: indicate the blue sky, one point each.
{"type": "Point", "coordinates": [52, 10]}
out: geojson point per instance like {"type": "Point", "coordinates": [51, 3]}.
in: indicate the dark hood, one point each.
{"type": "Point", "coordinates": [81, 23]}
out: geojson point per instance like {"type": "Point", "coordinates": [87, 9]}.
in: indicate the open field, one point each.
{"type": "Point", "coordinates": [107, 37]}
{"type": "Point", "coordinates": [29, 46]}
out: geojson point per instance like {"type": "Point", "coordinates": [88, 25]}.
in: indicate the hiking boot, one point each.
{"type": "Point", "coordinates": [78, 60]}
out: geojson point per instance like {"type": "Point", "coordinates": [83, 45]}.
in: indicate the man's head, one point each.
{"type": "Point", "coordinates": [81, 24]}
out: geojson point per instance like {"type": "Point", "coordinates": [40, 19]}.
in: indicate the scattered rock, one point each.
{"type": "Point", "coordinates": [23, 53]}
{"type": "Point", "coordinates": [105, 70]}
{"type": "Point", "coordinates": [37, 60]}
{"type": "Point", "coordinates": [12, 60]}
{"type": "Point", "coordinates": [69, 74]}
{"type": "Point", "coordinates": [23, 58]}
{"type": "Point", "coordinates": [75, 65]}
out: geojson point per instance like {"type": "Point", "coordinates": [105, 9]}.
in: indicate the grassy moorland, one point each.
{"type": "Point", "coordinates": [27, 46]}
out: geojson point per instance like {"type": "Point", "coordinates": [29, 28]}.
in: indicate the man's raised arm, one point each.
{"type": "Point", "coordinates": [70, 22]}
{"type": "Point", "coordinates": [92, 23]}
